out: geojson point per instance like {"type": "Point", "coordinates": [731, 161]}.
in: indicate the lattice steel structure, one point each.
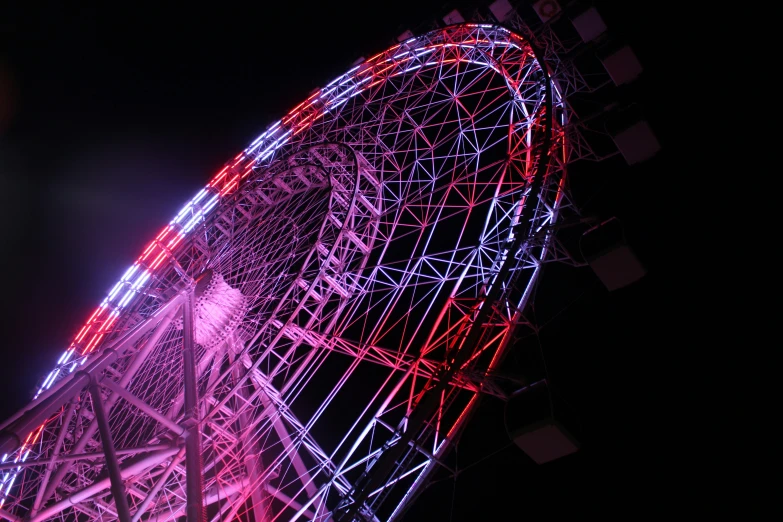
{"type": "Point", "coordinates": [308, 335]}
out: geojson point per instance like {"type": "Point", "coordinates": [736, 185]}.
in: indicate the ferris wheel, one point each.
{"type": "Point", "coordinates": [308, 335]}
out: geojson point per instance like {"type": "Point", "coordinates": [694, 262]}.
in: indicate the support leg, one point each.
{"type": "Point", "coordinates": [195, 506]}
{"type": "Point", "coordinates": [117, 486]}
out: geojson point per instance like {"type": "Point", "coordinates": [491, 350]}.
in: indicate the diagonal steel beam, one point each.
{"type": "Point", "coordinates": [81, 456]}
{"type": "Point", "coordinates": [158, 485]}
{"type": "Point", "coordinates": [115, 477]}
{"type": "Point", "coordinates": [144, 407]}
{"type": "Point", "coordinates": [5, 515]}
{"type": "Point", "coordinates": [153, 459]}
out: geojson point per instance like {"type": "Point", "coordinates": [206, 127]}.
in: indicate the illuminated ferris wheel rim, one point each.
{"type": "Point", "coordinates": [260, 152]}
{"type": "Point", "coordinates": [259, 155]}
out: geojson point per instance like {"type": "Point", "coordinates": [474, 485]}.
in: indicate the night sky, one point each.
{"type": "Point", "coordinates": [111, 118]}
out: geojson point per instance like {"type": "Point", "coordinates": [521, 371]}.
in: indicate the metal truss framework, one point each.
{"type": "Point", "coordinates": [386, 233]}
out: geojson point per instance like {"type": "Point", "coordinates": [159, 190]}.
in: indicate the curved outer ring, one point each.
{"type": "Point", "coordinates": [260, 153]}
